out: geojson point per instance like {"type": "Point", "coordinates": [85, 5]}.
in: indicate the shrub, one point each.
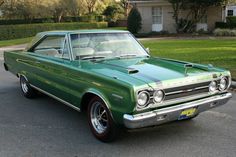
{"type": "Point", "coordinates": [225, 32]}
{"type": "Point", "coordinates": [134, 24]}
{"type": "Point", "coordinates": [27, 30]}
{"type": "Point", "coordinates": [221, 25]}
{"type": "Point", "coordinates": [231, 21]}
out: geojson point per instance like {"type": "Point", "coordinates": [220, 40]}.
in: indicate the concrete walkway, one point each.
{"type": "Point", "coordinates": [187, 38]}
{"type": "Point", "coordinates": [11, 48]}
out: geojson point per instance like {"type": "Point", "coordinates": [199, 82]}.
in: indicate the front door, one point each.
{"type": "Point", "coordinates": [52, 58]}
{"type": "Point", "coordinates": [157, 19]}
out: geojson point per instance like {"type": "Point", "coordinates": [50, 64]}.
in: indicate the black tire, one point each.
{"type": "Point", "coordinates": [111, 131]}
{"type": "Point", "coordinates": [26, 89]}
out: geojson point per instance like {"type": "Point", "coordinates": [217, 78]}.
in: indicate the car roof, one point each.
{"type": "Point", "coordinates": [64, 32]}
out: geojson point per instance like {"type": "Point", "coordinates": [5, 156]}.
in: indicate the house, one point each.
{"type": "Point", "coordinates": [230, 10]}
{"type": "Point", "coordinates": [157, 15]}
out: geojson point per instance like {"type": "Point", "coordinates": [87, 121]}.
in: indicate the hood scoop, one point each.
{"type": "Point", "coordinates": [122, 68]}
{"type": "Point", "coordinates": [132, 71]}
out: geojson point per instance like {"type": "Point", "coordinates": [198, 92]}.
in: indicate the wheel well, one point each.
{"type": "Point", "coordinates": [85, 100]}
{"type": "Point", "coordinates": [5, 66]}
{"type": "Point", "coordinates": [20, 75]}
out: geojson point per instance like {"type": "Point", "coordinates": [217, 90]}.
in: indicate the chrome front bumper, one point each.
{"type": "Point", "coordinates": [172, 113]}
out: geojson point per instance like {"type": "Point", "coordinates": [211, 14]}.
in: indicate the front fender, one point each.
{"type": "Point", "coordinates": [118, 105]}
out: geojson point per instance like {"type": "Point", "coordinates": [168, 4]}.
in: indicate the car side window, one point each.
{"type": "Point", "coordinates": [54, 46]}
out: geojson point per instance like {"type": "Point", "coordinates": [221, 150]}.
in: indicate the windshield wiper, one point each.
{"type": "Point", "coordinates": [93, 57]}
{"type": "Point", "coordinates": [126, 55]}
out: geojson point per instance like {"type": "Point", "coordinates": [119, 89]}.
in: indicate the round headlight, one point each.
{"type": "Point", "coordinates": [158, 96]}
{"type": "Point", "coordinates": [213, 86]}
{"type": "Point", "coordinates": [143, 98]}
{"type": "Point", "coordinates": [223, 84]}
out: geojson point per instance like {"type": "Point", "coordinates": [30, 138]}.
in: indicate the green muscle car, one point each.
{"type": "Point", "coordinates": [112, 77]}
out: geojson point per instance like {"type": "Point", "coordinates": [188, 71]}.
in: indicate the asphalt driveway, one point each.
{"type": "Point", "coordinates": [43, 127]}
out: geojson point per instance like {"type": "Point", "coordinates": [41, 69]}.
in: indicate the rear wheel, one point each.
{"type": "Point", "coordinates": [26, 89]}
{"type": "Point", "coordinates": [100, 121]}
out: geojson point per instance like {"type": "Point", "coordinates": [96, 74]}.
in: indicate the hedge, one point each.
{"type": "Point", "coordinates": [225, 32]}
{"type": "Point", "coordinates": [230, 23]}
{"type": "Point", "coordinates": [27, 30]}
{"type": "Point", "coordinates": [221, 25]}
{"type": "Point", "coordinates": [85, 18]}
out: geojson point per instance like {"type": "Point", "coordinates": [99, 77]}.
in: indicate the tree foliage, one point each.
{"type": "Point", "coordinates": [1, 2]}
{"type": "Point", "coordinates": [29, 9]}
{"type": "Point", "coordinates": [114, 12]}
{"type": "Point", "coordinates": [126, 6]}
{"type": "Point", "coordinates": [230, 2]}
{"type": "Point", "coordinates": [196, 10]}
{"type": "Point", "coordinates": [111, 11]}
{"type": "Point", "coordinates": [134, 21]}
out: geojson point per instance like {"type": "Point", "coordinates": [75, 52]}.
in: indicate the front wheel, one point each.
{"type": "Point", "coordinates": [26, 89]}
{"type": "Point", "coordinates": [100, 121]}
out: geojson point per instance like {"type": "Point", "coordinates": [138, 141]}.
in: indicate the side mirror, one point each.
{"type": "Point", "coordinates": [148, 50]}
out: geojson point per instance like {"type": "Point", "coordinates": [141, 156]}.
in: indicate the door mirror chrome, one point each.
{"type": "Point", "coordinates": [148, 50]}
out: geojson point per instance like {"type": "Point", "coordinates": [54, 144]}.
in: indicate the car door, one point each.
{"type": "Point", "coordinates": [53, 62]}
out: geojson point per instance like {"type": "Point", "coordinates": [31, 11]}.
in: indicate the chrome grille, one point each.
{"type": "Point", "coordinates": [185, 91]}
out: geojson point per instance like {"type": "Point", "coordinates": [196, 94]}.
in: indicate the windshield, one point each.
{"type": "Point", "coordinates": [105, 45]}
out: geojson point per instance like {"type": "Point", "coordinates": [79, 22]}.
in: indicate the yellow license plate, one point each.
{"type": "Point", "coordinates": [187, 113]}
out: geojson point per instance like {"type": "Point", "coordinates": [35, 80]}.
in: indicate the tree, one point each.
{"type": "Point", "coordinates": [1, 2]}
{"type": "Point", "coordinates": [90, 4]}
{"type": "Point", "coordinates": [196, 10]}
{"type": "Point", "coordinates": [96, 6]}
{"type": "Point", "coordinates": [177, 5]}
{"type": "Point", "coordinates": [230, 2]}
{"type": "Point", "coordinates": [110, 12]}
{"type": "Point", "coordinates": [30, 9]}
{"type": "Point", "coordinates": [126, 6]}
{"type": "Point", "coordinates": [134, 21]}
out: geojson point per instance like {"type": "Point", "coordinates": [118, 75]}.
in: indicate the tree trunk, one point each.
{"type": "Point", "coordinates": [1, 2]}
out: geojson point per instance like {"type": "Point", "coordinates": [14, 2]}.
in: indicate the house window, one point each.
{"type": "Point", "coordinates": [230, 13]}
{"type": "Point", "coordinates": [157, 15]}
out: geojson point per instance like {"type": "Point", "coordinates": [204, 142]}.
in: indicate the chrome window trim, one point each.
{"type": "Point", "coordinates": [70, 47]}
{"type": "Point", "coordinates": [79, 33]}
{"type": "Point", "coordinates": [67, 45]}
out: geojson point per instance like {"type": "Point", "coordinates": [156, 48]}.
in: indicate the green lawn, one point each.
{"type": "Point", "coordinates": [220, 53]}
{"type": "Point", "coordinates": [14, 42]}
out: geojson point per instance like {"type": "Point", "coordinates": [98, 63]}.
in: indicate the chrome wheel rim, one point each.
{"type": "Point", "coordinates": [99, 117]}
{"type": "Point", "coordinates": [24, 86]}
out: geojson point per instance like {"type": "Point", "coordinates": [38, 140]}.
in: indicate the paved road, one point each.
{"type": "Point", "coordinates": [44, 127]}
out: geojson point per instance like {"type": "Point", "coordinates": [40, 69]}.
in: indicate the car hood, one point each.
{"type": "Point", "coordinates": [148, 70]}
